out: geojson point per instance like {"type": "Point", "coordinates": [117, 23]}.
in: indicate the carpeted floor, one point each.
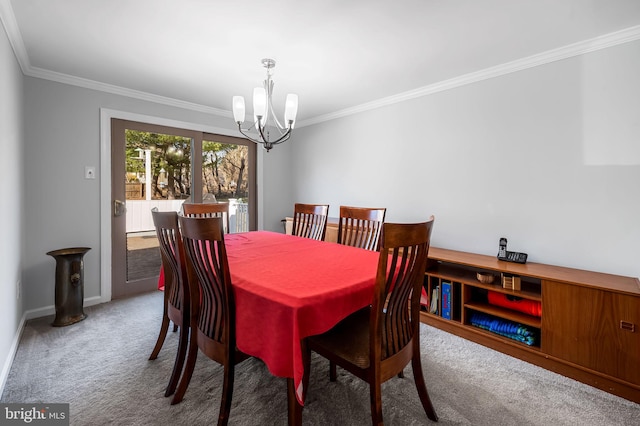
{"type": "Point", "coordinates": [100, 367]}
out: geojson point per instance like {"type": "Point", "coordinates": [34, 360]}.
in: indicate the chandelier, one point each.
{"type": "Point", "coordinates": [265, 121]}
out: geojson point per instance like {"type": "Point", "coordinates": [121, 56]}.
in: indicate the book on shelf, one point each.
{"type": "Point", "coordinates": [446, 300]}
{"type": "Point", "coordinates": [433, 308]}
{"type": "Point", "coordinates": [424, 299]}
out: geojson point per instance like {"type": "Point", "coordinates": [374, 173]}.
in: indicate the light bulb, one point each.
{"type": "Point", "coordinates": [259, 102]}
{"type": "Point", "coordinates": [238, 109]}
{"type": "Point", "coordinates": [290, 109]}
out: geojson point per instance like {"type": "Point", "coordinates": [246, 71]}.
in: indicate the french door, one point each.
{"type": "Point", "coordinates": [161, 167]}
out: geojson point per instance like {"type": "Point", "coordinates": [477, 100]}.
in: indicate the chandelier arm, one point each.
{"type": "Point", "coordinates": [248, 136]}
{"type": "Point", "coordinates": [270, 109]}
{"type": "Point", "coordinates": [282, 138]}
{"type": "Point", "coordinates": [265, 141]}
{"type": "Point", "coordinates": [261, 129]}
{"type": "Point", "coordinates": [270, 113]}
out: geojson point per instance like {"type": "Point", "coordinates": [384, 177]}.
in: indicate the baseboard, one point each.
{"type": "Point", "coordinates": [6, 368]}
{"type": "Point", "coordinates": [51, 309]}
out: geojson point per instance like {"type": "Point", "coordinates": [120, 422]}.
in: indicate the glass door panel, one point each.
{"type": "Point", "coordinates": [157, 176]}
{"type": "Point", "coordinates": [227, 174]}
{"type": "Point", "coordinates": [153, 167]}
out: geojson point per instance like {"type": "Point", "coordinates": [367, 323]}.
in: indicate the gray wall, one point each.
{"type": "Point", "coordinates": [11, 212]}
{"type": "Point", "coordinates": [548, 157]}
{"type": "Point", "coordinates": [278, 196]}
{"type": "Point", "coordinates": [62, 136]}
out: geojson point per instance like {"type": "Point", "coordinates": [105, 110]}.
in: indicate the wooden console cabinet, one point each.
{"type": "Point", "coordinates": [588, 330]}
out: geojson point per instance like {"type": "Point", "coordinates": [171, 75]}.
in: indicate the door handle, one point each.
{"type": "Point", "coordinates": [119, 208]}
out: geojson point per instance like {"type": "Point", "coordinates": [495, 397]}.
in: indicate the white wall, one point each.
{"type": "Point", "coordinates": [511, 156]}
{"type": "Point", "coordinates": [11, 212]}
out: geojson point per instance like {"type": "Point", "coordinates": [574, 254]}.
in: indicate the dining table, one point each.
{"type": "Point", "coordinates": [287, 288]}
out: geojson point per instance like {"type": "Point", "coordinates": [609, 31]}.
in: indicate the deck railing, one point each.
{"type": "Point", "coordinates": [139, 214]}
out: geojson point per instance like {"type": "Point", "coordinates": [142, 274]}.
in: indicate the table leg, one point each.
{"type": "Point", "coordinates": [295, 409]}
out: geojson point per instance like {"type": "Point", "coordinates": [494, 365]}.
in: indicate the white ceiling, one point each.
{"type": "Point", "coordinates": [337, 55]}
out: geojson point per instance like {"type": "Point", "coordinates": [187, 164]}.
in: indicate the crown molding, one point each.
{"type": "Point", "coordinates": [10, 24]}
{"type": "Point", "coordinates": [608, 40]}
{"type": "Point", "coordinates": [575, 49]}
{"type": "Point", "coordinates": [123, 91]}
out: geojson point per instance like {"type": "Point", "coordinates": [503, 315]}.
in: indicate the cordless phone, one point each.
{"type": "Point", "coordinates": [510, 256]}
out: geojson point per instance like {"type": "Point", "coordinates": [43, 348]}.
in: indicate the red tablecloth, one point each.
{"type": "Point", "coordinates": [288, 288]}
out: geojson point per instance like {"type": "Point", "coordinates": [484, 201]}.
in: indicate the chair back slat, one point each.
{"type": "Point", "coordinates": [396, 308]}
{"type": "Point", "coordinates": [173, 257]}
{"type": "Point", "coordinates": [310, 220]}
{"type": "Point", "coordinates": [209, 278]}
{"type": "Point", "coordinates": [360, 227]}
{"type": "Point", "coordinates": [208, 210]}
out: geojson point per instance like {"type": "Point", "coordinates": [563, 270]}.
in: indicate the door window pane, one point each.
{"type": "Point", "coordinates": [225, 178]}
{"type": "Point", "coordinates": [157, 175]}
{"type": "Point", "coordinates": [158, 166]}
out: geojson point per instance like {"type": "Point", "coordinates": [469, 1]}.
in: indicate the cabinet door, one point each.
{"type": "Point", "coordinates": [590, 327]}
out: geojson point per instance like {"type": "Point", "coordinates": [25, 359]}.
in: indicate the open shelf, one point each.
{"type": "Point", "coordinates": [587, 328]}
{"type": "Point", "coordinates": [504, 313]}
{"type": "Point", "coordinates": [530, 288]}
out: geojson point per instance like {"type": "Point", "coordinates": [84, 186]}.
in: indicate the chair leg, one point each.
{"type": "Point", "coordinates": [227, 394]}
{"type": "Point", "coordinates": [179, 362]}
{"type": "Point", "coordinates": [333, 374]}
{"type": "Point", "coordinates": [175, 327]}
{"type": "Point", "coordinates": [164, 327]}
{"type": "Point", "coordinates": [375, 395]}
{"type": "Point", "coordinates": [401, 375]}
{"type": "Point", "coordinates": [192, 356]}
{"type": "Point", "coordinates": [422, 387]}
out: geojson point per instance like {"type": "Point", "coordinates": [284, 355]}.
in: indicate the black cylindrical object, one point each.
{"type": "Point", "coordinates": [69, 285]}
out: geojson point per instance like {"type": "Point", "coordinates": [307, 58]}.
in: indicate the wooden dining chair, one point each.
{"type": "Point", "coordinates": [360, 226]}
{"type": "Point", "coordinates": [310, 220]}
{"type": "Point", "coordinates": [176, 290]}
{"type": "Point", "coordinates": [377, 342]}
{"type": "Point", "coordinates": [213, 314]}
{"type": "Point", "coordinates": [208, 210]}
